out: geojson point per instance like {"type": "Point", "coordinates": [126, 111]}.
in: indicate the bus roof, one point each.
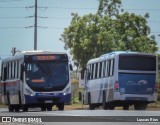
{"type": "Point", "coordinates": [20, 55]}
{"type": "Point", "coordinates": [118, 52]}
{"type": "Point", "coordinates": [113, 54]}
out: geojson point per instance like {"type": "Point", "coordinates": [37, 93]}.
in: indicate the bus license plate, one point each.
{"type": "Point", "coordinates": [48, 101]}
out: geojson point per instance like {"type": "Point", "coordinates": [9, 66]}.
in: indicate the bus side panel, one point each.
{"type": "Point", "coordinates": [3, 94]}
{"type": "Point", "coordinates": [111, 82]}
{"type": "Point", "coordinates": [11, 92]}
{"type": "Point", "coordinates": [110, 89]}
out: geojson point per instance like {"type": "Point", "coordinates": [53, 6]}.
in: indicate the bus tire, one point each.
{"type": "Point", "coordinates": [141, 106]}
{"type": "Point", "coordinates": [104, 105]}
{"type": "Point", "coordinates": [125, 107]}
{"type": "Point", "coordinates": [43, 108]}
{"type": "Point", "coordinates": [60, 106]}
{"type": "Point", "coordinates": [25, 108]}
{"type": "Point", "coordinates": [17, 108]}
{"type": "Point", "coordinates": [10, 108]}
{"type": "Point", "coordinates": [91, 106]}
{"type": "Point", "coordinates": [49, 108]}
{"type": "Point", "coordinates": [111, 107]}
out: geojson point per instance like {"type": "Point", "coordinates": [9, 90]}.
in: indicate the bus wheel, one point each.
{"type": "Point", "coordinates": [10, 108]}
{"type": "Point", "coordinates": [141, 106]}
{"type": "Point", "coordinates": [25, 108]}
{"type": "Point", "coordinates": [104, 105]}
{"type": "Point", "coordinates": [111, 108]}
{"type": "Point", "coordinates": [49, 108]}
{"type": "Point", "coordinates": [91, 106]}
{"type": "Point", "coordinates": [17, 109]}
{"type": "Point", "coordinates": [43, 108]}
{"type": "Point", "coordinates": [60, 106]}
{"type": "Point", "coordinates": [125, 107]}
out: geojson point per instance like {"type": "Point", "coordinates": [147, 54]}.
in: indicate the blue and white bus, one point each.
{"type": "Point", "coordinates": [121, 79]}
{"type": "Point", "coordinates": [36, 79]}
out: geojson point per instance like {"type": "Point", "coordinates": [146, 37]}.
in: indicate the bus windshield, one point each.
{"type": "Point", "coordinates": [47, 76]}
{"type": "Point", "coordinates": [137, 62]}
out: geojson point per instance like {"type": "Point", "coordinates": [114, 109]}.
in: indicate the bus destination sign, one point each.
{"type": "Point", "coordinates": [46, 57]}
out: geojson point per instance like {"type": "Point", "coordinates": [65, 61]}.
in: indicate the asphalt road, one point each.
{"type": "Point", "coordinates": [83, 117]}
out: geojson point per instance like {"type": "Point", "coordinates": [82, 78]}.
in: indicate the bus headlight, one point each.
{"type": "Point", "coordinates": [67, 91]}
{"type": "Point", "coordinates": [28, 92]}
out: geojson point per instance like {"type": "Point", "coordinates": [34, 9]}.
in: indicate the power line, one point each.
{"type": "Point", "coordinates": [12, 7]}
{"type": "Point", "coordinates": [10, 0]}
{"type": "Point", "coordinates": [12, 17]}
{"type": "Point", "coordinates": [57, 18]}
{"type": "Point", "coordinates": [12, 27]}
{"type": "Point", "coordinates": [150, 9]}
{"type": "Point", "coordinates": [60, 7]}
{"type": "Point", "coordinates": [37, 17]}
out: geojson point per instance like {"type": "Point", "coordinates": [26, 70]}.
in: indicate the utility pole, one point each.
{"type": "Point", "coordinates": [13, 51]}
{"type": "Point", "coordinates": [35, 27]}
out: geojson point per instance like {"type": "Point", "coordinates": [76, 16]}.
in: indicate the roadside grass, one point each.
{"type": "Point", "coordinates": [3, 106]}
{"type": "Point", "coordinates": [78, 106]}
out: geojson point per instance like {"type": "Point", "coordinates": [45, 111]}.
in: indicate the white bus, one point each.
{"type": "Point", "coordinates": [36, 79]}
{"type": "Point", "coordinates": [120, 79]}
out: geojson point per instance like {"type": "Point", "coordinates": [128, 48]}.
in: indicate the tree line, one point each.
{"type": "Point", "coordinates": [110, 29]}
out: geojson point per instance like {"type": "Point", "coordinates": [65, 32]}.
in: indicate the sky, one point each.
{"type": "Point", "coordinates": [16, 30]}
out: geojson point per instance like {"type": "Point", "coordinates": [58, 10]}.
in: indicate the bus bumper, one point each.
{"type": "Point", "coordinates": [61, 98]}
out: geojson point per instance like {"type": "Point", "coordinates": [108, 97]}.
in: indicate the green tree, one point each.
{"type": "Point", "coordinates": [92, 35]}
{"type": "Point", "coordinates": [135, 33]}
{"type": "Point", "coordinates": [109, 7]}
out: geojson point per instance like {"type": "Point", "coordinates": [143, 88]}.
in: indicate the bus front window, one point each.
{"type": "Point", "coordinates": [41, 76]}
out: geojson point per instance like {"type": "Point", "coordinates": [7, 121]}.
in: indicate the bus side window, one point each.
{"type": "Point", "coordinates": [14, 69]}
{"type": "Point", "coordinates": [21, 71]}
{"type": "Point", "coordinates": [8, 71]}
{"type": "Point", "coordinates": [106, 69]}
{"type": "Point", "coordinates": [5, 74]}
{"type": "Point", "coordinates": [2, 72]}
{"type": "Point", "coordinates": [88, 72]}
{"type": "Point", "coordinates": [111, 67]}
{"type": "Point", "coordinates": [96, 71]}
{"type": "Point", "coordinates": [92, 74]}
{"type": "Point", "coordinates": [100, 69]}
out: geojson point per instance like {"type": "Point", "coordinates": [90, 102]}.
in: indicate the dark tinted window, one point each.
{"type": "Point", "coordinates": [92, 71]}
{"type": "Point", "coordinates": [96, 71]}
{"type": "Point", "coordinates": [137, 62]}
{"type": "Point", "coordinates": [100, 69]}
